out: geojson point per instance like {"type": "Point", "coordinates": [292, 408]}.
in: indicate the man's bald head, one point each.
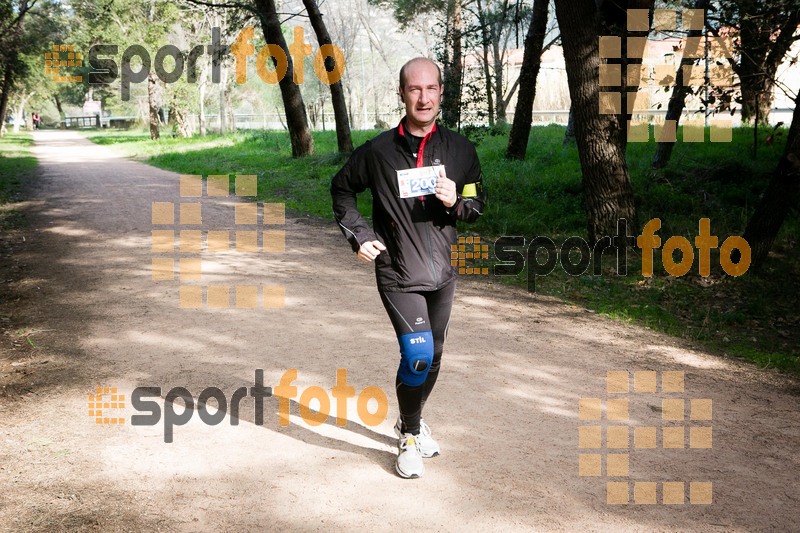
{"type": "Point", "coordinates": [415, 63]}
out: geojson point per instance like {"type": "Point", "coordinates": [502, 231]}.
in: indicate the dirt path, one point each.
{"type": "Point", "coordinates": [506, 409]}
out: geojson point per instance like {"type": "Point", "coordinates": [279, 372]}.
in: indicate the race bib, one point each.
{"type": "Point", "coordinates": [418, 181]}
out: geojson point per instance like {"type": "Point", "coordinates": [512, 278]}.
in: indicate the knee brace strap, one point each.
{"type": "Point", "coordinates": [416, 356]}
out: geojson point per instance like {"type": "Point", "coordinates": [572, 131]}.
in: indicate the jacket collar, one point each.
{"type": "Point", "coordinates": [402, 130]}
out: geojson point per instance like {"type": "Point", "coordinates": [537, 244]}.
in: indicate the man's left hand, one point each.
{"type": "Point", "coordinates": [446, 190]}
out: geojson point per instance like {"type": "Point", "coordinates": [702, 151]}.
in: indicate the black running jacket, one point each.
{"type": "Point", "coordinates": [417, 231]}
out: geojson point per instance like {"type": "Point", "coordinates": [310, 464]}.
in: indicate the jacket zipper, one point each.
{"type": "Point", "coordinates": [421, 163]}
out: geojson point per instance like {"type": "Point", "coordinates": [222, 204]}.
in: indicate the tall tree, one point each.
{"type": "Point", "coordinates": [494, 24]}
{"type": "Point", "coordinates": [680, 91]}
{"type": "Point", "coordinates": [486, 41]}
{"type": "Point", "coordinates": [614, 21]}
{"type": "Point", "coordinates": [781, 196]}
{"type": "Point", "coordinates": [529, 73]}
{"type": "Point", "coordinates": [12, 40]}
{"type": "Point", "coordinates": [453, 65]}
{"type": "Point", "coordinates": [607, 192]}
{"type": "Point", "coordinates": [343, 138]}
{"type": "Point", "coordinates": [294, 108]}
{"type": "Point", "coordinates": [766, 32]}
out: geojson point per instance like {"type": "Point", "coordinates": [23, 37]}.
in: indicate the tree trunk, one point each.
{"type": "Point", "coordinates": [569, 133]}
{"type": "Point", "coordinates": [202, 85]}
{"type": "Point", "coordinates": [7, 80]}
{"type": "Point", "coordinates": [294, 108]}
{"type": "Point", "coordinates": [487, 74]}
{"type": "Point", "coordinates": [607, 191]}
{"type": "Point", "coordinates": [20, 110]}
{"type": "Point", "coordinates": [763, 54]}
{"type": "Point", "coordinates": [757, 92]}
{"type": "Point", "coordinates": [677, 101]}
{"type": "Point", "coordinates": [782, 195]}
{"type": "Point", "coordinates": [202, 118]}
{"type": "Point", "coordinates": [343, 138]}
{"type": "Point", "coordinates": [153, 104]}
{"type": "Point", "coordinates": [61, 114]}
{"type": "Point", "coordinates": [529, 72]}
{"type": "Point", "coordinates": [453, 69]}
{"type": "Point", "coordinates": [11, 50]}
{"type": "Point", "coordinates": [500, 105]}
{"type": "Point", "coordinates": [751, 72]}
{"type": "Point", "coordinates": [223, 112]}
{"type": "Point", "coordinates": [613, 15]}
{"type": "Point", "coordinates": [177, 113]}
{"type": "Point", "coordinates": [230, 115]}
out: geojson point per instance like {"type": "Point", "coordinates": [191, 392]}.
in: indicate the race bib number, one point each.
{"type": "Point", "coordinates": [418, 181]}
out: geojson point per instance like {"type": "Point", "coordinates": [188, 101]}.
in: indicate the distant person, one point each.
{"type": "Point", "coordinates": [413, 228]}
{"type": "Point", "coordinates": [36, 119]}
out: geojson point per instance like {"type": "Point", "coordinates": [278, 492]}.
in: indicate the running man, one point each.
{"type": "Point", "coordinates": [414, 219]}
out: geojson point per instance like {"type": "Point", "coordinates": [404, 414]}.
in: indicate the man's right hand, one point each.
{"type": "Point", "coordinates": [370, 250]}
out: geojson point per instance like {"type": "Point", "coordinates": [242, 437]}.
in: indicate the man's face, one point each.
{"type": "Point", "coordinates": [421, 94]}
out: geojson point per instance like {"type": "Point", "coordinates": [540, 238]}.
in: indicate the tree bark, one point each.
{"type": "Point", "coordinates": [7, 79]}
{"type": "Point", "coordinates": [453, 69]}
{"type": "Point", "coordinates": [569, 133]}
{"type": "Point", "coordinates": [153, 104]}
{"type": "Point", "coordinates": [782, 195]}
{"type": "Point", "coordinates": [294, 108]}
{"type": "Point", "coordinates": [529, 72]}
{"type": "Point", "coordinates": [614, 21]}
{"type": "Point", "coordinates": [343, 137]}
{"type": "Point", "coordinates": [485, 40]}
{"type": "Point", "coordinates": [202, 117]}
{"type": "Point", "coordinates": [677, 101]}
{"type": "Point", "coordinates": [762, 54]}
{"type": "Point", "coordinates": [607, 191]}
{"type": "Point", "coordinates": [11, 39]}
{"type": "Point", "coordinates": [21, 109]}
{"type": "Point", "coordinates": [499, 103]}
{"type": "Point", "coordinates": [223, 112]}
{"type": "Point", "coordinates": [58, 106]}
{"type": "Point", "coordinates": [177, 113]}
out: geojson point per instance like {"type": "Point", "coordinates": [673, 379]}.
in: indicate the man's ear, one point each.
{"type": "Point", "coordinates": [400, 94]}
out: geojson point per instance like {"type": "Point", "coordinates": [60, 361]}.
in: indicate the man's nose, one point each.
{"type": "Point", "coordinates": [424, 98]}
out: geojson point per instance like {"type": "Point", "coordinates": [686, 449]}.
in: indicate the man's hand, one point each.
{"type": "Point", "coordinates": [370, 250]}
{"type": "Point", "coordinates": [446, 190]}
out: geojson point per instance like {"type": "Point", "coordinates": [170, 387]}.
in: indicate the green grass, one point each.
{"type": "Point", "coordinates": [753, 317]}
{"type": "Point", "coordinates": [16, 165]}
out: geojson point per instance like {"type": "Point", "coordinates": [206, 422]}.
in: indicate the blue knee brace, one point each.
{"type": "Point", "coordinates": [416, 356]}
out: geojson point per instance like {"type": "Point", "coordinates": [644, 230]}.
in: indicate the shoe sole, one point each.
{"type": "Point", "coordinates": [406, 476]}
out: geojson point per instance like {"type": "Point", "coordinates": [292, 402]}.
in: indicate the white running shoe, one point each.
{"type": "Point", "coordinates": [409, 459]}
{"type": "Point", "coordinates": [428, 447]}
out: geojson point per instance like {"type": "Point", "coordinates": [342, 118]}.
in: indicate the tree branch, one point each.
{"type": "Point", "coordinates": [233, 5]}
